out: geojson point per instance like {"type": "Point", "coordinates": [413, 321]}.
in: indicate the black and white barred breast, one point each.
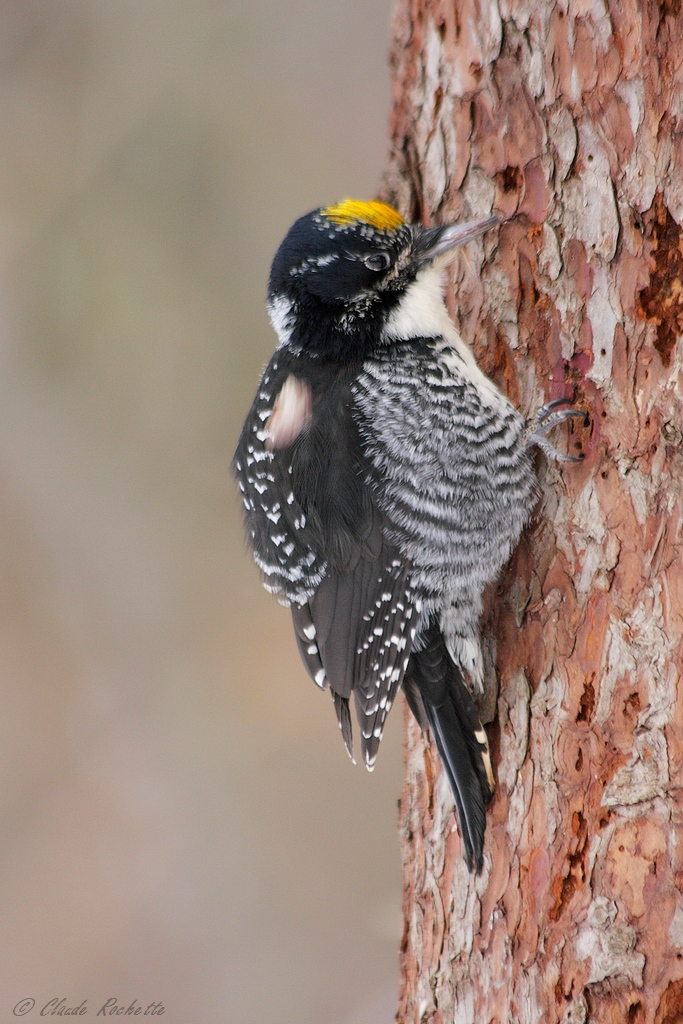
{"type": "Point", "coordinates": [451, 468]}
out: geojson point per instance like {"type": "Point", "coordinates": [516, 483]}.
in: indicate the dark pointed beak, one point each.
{"type": "Point", "coordinates": [434, 242]}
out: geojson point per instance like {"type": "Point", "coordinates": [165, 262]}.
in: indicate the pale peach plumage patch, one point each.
{"type": "Point", "coordinates": [291, 412]}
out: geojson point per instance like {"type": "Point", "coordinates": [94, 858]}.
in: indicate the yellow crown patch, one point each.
{"type": "Point", "coordinates": [354, 211]}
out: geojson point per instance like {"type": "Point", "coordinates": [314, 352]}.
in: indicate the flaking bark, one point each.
{"type": "Point", "coordinates": [567, 119]}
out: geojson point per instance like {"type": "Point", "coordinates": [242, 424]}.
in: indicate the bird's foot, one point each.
{"type": "Point", "coordinates": [547, 417]}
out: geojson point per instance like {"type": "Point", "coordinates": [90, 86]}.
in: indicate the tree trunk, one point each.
{"type": "Point", "coordinates": [569, 121]}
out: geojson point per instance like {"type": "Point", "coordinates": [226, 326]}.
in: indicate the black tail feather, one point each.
{"type": "Point", "coordinates": [415, 702]}
{"type": "Point", "coordinates": [459, 737]}
{"type": "Point", "coordinates": [341, 706]}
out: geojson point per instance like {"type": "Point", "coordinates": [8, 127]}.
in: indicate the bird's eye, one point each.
{"type": "Point", "coordinates": [377, 261]}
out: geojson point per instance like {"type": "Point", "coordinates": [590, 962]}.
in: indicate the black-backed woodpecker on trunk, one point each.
{"type": "Point", "coordinates": [385, 481]}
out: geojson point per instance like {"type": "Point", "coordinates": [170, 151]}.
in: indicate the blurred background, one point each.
{"type": "Point", "coordinates": [180, 822]}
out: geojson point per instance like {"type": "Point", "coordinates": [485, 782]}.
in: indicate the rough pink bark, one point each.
{"type": "Point", "coordinates": [568, 119]}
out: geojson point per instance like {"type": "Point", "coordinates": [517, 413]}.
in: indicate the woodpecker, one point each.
{"type": "Point", "coordinates": [386, 481]}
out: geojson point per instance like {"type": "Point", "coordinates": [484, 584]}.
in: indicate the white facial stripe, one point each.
{"type": "Point", "coordinates": [422, 313]}
{"type": "Point", "coordinates": [280, 313]}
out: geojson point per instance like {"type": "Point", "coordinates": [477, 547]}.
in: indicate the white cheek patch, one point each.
{"type": "Point", "coordinates": [280, 313]}
{"type": "Point", "coordinates": [292, 411]}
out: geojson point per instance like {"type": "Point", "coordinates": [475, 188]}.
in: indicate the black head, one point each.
{"type": "Point", "coordinates": [341, 271]}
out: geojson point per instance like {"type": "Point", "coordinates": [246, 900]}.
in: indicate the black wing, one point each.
{"type": "Point", "coordinates": [355, 634]}
{"type": "Point", "coordinates": [319, 538]}
{"type": "Point", "coordinates": [284, 541]}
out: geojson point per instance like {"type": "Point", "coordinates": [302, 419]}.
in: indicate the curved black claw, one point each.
{"type": "Point", "coordinates": [545, 410]}
{"type": "Point", "coordinates": [548, 449]}
{"type": "Point", "coordinates": [559, 417]}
